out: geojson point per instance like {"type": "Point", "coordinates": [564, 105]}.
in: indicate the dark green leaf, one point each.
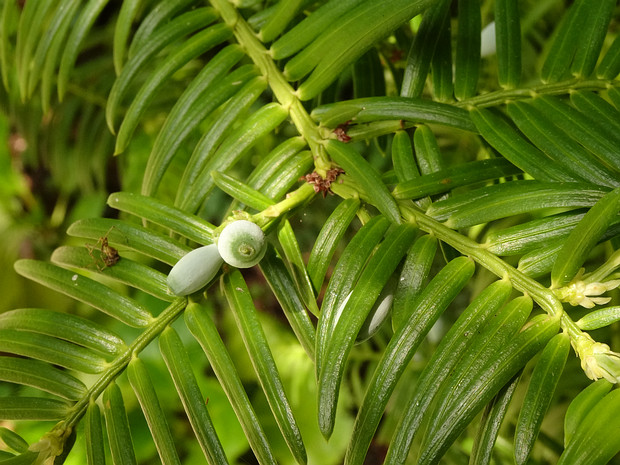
{"type": "Point", "coordinates": [117, 426]}
{"type": "Point", "coordinates": [197, 182]}
{"type": "Point", "coordinates": [93, 435]}
{"type": "Point", "coordinates": [191, 48]}
{"type": "Point", "coordinates": [539, 394]}
{"type": "Point", "coordinates": [325, 245]}
{"type": "Point", "coordinates": [514, 147]}
{"type": "Point", "coordinates": [32, 408]}
{"type": "Point", "coordinates": [582, 405]}
{"type": "Point", "coordinates": [86, 290]}
{"type": "Point", "coordinates": [467, 61]}
{"type": "Point", "coordinates": [508, 42]}
{"type": "Point", "coordinates": [455, 176]}
{"type": "Point", "coordinates": [283, 287]}
{"type": "Point", "coordinates": [540, 128]}
{"type": "Point", "coordinates": [180, 368]}
{"type": "Point", "coordinates": [595, 441]}
{"type": "Point", "coordinates": [155, 211]}
{"type": "Point", "coordinates": [413, 276]}
{"type": "Point", "coordinates": [490, 423]}
{"type": "Point", "coordinates": [584, 237]}
{"type": "Point", "coordinates": [428, 307]}
{"type": "Point", "coordinates": [205, 94]}
{"type": "Point", "coordinates": [486, 377]}
{"type": "Point", "coordinates": [366, 176]}
{"type": "Point", "coordinates": [66, 326]}
{"type": "Point", "coordinates": [350, 316]}
{"type": "Point", "coordinates": [423, 47]}
{"type": "Point", "coordinates": [172, 31]}
{"type": "Point", "coordinates": [202, 327]}
{"type": "Point", "coordinates": [503, 200]}
{"type": "Point", "coordinates": [124, 235]}
{"type": "Point", "coordinates": [126, 271]}
{"type": "Point", "coordinates": [41, 376]}
{"type": "Point", "coordinates": [396, 108]}
{"type": "Point", "coordinates": [142, 385]}
{"type": "Point", "coordinates": [240, 302]}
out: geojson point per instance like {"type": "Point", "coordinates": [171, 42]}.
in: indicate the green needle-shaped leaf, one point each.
{"type": "Point", "coordinates": [455, 176]}
{"type": "Point", "coordinates": [117, 426]}
{"type": "Point", "coordinates": [142, 385]}
{"type": "Point", "coordinates": [180, 368]}
{"type": "Point", "coordinates": [412, 110]}
{"type": "Point", "coordinates": [126, 271]}
{"type": "Point", "coordinates": [508, 43]}
{"type": "Point", "coordinates": [503, 200]}
{"type": "Point", "coordinates": [423, 47]}
{"type": "Point", "coordinates": [191, 48]}
{"type": "Point", "coordinates": [605, 116]}
{"type": "Point", "coordinates": [93, 435]}
{"type": "Point", "coordinates": [41, 376]}
{"type": "Point", "coordinates": [585, 236]}
{"type": "Point", "coordinates": [531, 234]}
{"type": "Point", "coordinates": [292, 253]}
{"type": "Point", "coordinates": [126, 16]}
{"type": "Point", "coordinates": [595, 441]}
{"type": "Point", "coordinates": [32, 20]}
{"type": "Point", "coordinates": [82, 25]}
{"type": "Point", "coordinates": [271, 166]}
{"type": "Point", "coordinates": [490, 422]}
{"type": "Point", "coordinates": [349, 39]}
{"type": "Point", "coordinates": [599, 318]}
{"type": "Point", "coordinates": [279, 20]}
{"type": "Point", "coordinates": [240, 302]}
{"type": "Point", "coordinates": [241, 191]}
{"type": "Point", "coordinates": [124, 235]}
{"type": "Point", "coordinates": [444, 359]}
{"type": "Point", "coordinates": [344, 277]}
{"type": "Point", "coordinates": [283, 287]}
{"type": "Point", "coordinates": [592, 37]}
{"type": "Point", "coordinates": [540, 128]}
{"type": "Point", "coordinates": [330, 235]}
{"type": "Point", "coordinates": [199, 322]}
{"type": "Point", "coordinates": [413, 276]}
{"type": "Point", "coordinates": [366, 176]}
{"type": "Point", "coordinates": [485, 377]}
{"type": "Point", "coordinates": [539, 395]}
{"type": "Point", "coordinates": [428, 307]}
{"type": "Point", "coordinates": [582, 405]}
{"type": "Point", "coordinates": [403, 158]}
{"type": "Point", "coordinates": [567, 39]}
{"type": "Point", "coordinates": [181, 26]}
{"type": "Point", "coordinates": [52, 350]}
{"type": "Point", "coordinates": [514, 147]}
{"type": "Point", "coordinates": [467, 61]}
{"type": "Point", "coordinates": [197, 182]}
{"type": "Point", "coordinates": [86, 290]}
{"type": "Point", "coordinates": [13, 440]}
{"type": "Point", "coordinates": [206, 92]}
{"type": "Point", "coordinates": [609, 67]}
{"type": "Point", "coordinates": [441, 66]}
{"type": "Point", "coordinates": [161, 13]}
{"type": "Point", "coordinates": [155, 211]}
{"type": "Point", "coordinates": [66, 326]}
{"type": "Point", "coordinates": [351, 314]}
{"type": "Point", "coordinates": [311, 27]}
{"type": "Point", "coordinates": [58, 27]}
{"type": "Point", "coordinates": [32, 408]}
{"type": "Point", "coordinates": [582, 129]}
